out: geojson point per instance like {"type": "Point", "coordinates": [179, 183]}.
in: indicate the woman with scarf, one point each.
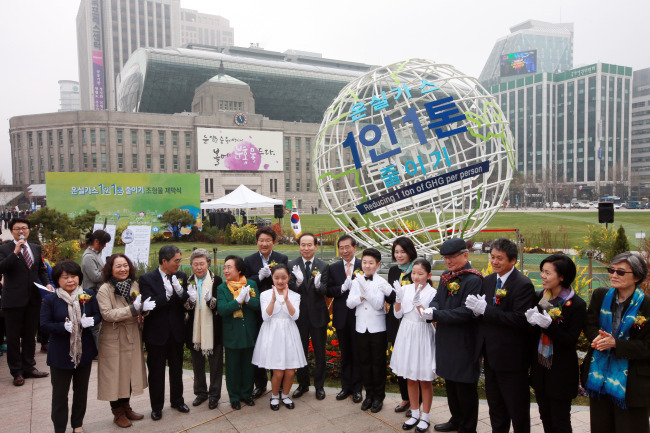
{"type": "Point", "coordinates": [557, 321]}
{"type": "Point", "coordinates": [404, 254]}
{"type": "Point", "coordinates": [616, 370]}
{"type": "Point", "coordinates": [121, 370]}
{"type": "Point", "coordinates": [67, 316]}
{"type": "Point", "coordinates": [204, 328]}
{"type": "Point", "coordinates": [238, 302]}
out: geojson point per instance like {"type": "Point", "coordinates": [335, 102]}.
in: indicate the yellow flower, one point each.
{"type": "Point", "coordinates": [135, 294]}
{"type": "Point", "coordinates": [330, 332]}
{"type": "Point", "coordinates": [251, 291]}
{"type": "Point", "coordinates": [555, 313]}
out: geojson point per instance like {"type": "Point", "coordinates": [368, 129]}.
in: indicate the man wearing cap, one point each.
{"type": "Point", "coordinates": [456, 331]}
{"type": "Point", "coordinates": [503, 338]}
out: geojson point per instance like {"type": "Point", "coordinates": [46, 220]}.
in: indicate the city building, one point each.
{"type": "Point", "coordinates": [70, 99]}
{"type": "Point", "coordinates": [206, 29]}
{"type": "Point", "coordinates": [571, 130]}
{"type": "Point", "coordinates": [290, 87]}
{"type": "Point", "coordinates": [640, 166]}
{"type": "Point", "coordinates": [534, 46]}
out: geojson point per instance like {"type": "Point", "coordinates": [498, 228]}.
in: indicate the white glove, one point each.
{"type": "Point", "coordinates": [87, 322]}
{"type": "Point", "coordinates": [137, 303]}
{"type": "Point", "coordinates": [265, 272]}
{"type": "Point", "coordinates": [427, 313]}
{"type": "Point", "coordinates": [191, 290]}
{"type": "Point", "coordinates": [68, 326]}
{"type": "Point", "coordinates": [148, 304]}
{"type": "Point", "coordinates": [362, 286]}
{"type": "Point", "coordinates": [177, 286]}
{"type": "Point", "coordinates": [298, 274]}
{"type": "Point", "coordinates": [206, 296]}
{"type": "Point", "coordinates": [530, 313]}
{"type": "Point", "coordinates": [346, 285]}
{"type": "Point", "coordinates": [543, 319]}
{"type": "Point", "coordinates": [399, 292]}
{"type": "Point", "coordinates": [242, 295]}
{"type": "Point", "coordinates": [317, 280]}
{"type": "Point", "coordinates": [169, 290]}
{"type": "Point", "coordinates": [416, 297]}
{"type": "Point", "coordinates": [248, 294]}
{"type": "Point", "coordinates": [476, 303]}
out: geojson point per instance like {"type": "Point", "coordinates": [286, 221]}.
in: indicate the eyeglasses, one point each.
{"type": "Point", "coordinates": [453, 256]}
{"type": "Point", "coordinates": [20, 229]}
{"type": "Point", "coordinates": [620, 272]}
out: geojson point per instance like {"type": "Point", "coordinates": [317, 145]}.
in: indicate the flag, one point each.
{"type": "Point", "coordinates": [288, 204]}
{"type": "Point", "coordinates": [295, 222]}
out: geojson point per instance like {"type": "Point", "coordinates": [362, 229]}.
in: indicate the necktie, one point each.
{"type": "Point", "coordinates": [308, 268]}
{"type": "Point", "coordinates": [499, 284]}
{"type": "Point", "coordinates": [27, 257]}
{"type": "Point", "coordinates": [348, 267]}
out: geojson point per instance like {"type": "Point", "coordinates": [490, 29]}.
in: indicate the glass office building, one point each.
{"type": "Point", "coordinates": [641, 133]}
{"type": "Point", "coordinates": [289, 87]}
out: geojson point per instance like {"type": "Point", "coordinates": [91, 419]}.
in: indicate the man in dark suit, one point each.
{"type": "Point", "coordinates": [339, 281]}
{"type": "Point", "coordinates": [21, 265]}
{"type": "Point", "coordinates": [164, 329]}
{"type": "Point", "coordinates": [503, 338]}
{"type": "Point", "coordinates": [258, 269]}
{"type": "Point", "coordinates": [456, 358]}
{"type": "Point", "coordinates": [309, 279]}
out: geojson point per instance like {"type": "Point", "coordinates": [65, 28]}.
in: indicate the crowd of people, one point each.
{"type": "Point", "coordinates": [266, 313]}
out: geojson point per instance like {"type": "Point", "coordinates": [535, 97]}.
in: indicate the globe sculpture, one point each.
{"type": "Point", "coordinates": [415, 149]}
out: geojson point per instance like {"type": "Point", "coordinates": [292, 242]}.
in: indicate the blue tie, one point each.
{"type": "Point", "coordinates": [494, 299]}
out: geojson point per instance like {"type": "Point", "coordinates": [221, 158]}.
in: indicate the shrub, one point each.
{"type": "Point", "coordinates": [600, 240]}
{"type": "Point", "coordinates": [621, 243]}
{"type": "Point", "coordinates": [244, 235]}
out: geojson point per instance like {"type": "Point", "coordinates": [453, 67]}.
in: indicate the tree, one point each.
{"type": "Point", "coordinates": [86, 221]}
{"type": "Point", "coordinates": [53, 226]}
{"type": "Point", "coordinates": [621, 243]}
{"type": "Point", "coordinates": [177, 218]}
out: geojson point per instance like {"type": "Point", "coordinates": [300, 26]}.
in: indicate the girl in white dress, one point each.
{"type": "Point", "coordinates": [278, 345]}
{"type": "Point", "coordinates": [414, 352]}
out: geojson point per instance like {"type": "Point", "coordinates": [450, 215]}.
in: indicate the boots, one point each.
{"type": "Point", "coordinates": [134, 416]}
{"type": "Point", "coordinates": [120, 417]}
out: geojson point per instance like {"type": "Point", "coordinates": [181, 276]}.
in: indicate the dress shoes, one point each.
{"type": "Point", "coordinates": [408, 413]}
{"type": "Point", "coordinates": [407, 426]}
{"type": "Point", "coordinates": [376, 406]}
{"type": "Point", "coordinates": [257, 393]}
{"type": "Point", "coordinates": [199, 399]}
{"type": "Point", "coordinates": [320, 393]}
{"type": "Point", "coordinates": [343, 395]}
{"type": "Point", "coordinates": [156, 415]}
{"type": "Point", "coordinates": [445, 426]}
{"type": "Point", "coordinates": [248, 401]}
{"type": "Point", "coordinates": [422, 430]}
{"type": "Point", "coordinates": [289, 405]}
{"type": "Point", "coordinates": [399, 408]}
{"type": "Point", "coordinates": [275, 403]}
{"type": "Point", "coordinates": [300, 391]}
{"type": "Point", "coordinates": [182, 408]}
{"type": "Point", "coordinates": [356, 397]}
{"type": "Point", "coordinates": [19, 380]}
{"type": "Point", "coordinates": [213, 403]}
{"type": "Point", "coordinates": [235, 405]}
{"type": "Point", "coordinates": [366, 404]}
{"type": "Point", "coordinates": [36, 374]}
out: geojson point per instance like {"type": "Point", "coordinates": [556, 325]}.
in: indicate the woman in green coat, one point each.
{"type": "Point", "coordinates": [237, 303]}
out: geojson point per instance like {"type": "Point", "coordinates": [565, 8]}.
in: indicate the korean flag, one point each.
{"type": "Point", "coordinates": [295, 222]}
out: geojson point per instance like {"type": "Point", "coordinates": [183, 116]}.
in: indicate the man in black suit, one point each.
{"type": "Point", "coordinates": [258, 270]}
{"type": "Point", "coordinates": [309, 279]}
{"type": "Point", "coordinates": [339, 281]}
{"type": "Point", "coordinates": [456, 358]}
{"type": "Point", "coordinates": [503, 338]}
{"type": "Point", "coordinates": [164, 329]}
{"type": "Point", "coordinates": [21, 265]}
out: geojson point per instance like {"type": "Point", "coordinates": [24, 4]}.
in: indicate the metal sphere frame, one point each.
{"type": "Point", "coordinates": [462, 208]}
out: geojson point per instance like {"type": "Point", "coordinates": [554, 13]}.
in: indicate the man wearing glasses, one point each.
{"type": "Point", "coordinates": [22, 266]}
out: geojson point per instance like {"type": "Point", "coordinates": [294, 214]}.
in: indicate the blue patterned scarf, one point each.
{"type": "Point", "coordinates": [608, 374]}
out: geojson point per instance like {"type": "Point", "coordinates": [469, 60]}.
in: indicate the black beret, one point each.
{"type": "Point", "coordinates": [452, 246]}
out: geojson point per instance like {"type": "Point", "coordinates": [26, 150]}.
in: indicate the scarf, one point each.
{"type": "Point", "coordinates": [406, 268]}
{"type": "Point", "coordinates": [74, 314]}
{"type": "Point", "coordinates": [447, 277]}
{"type": "Point", "coordinates": [545, 345]}
{"type": "Point", "coordinates": [608, 374]}
{"type": "Point", "coordinates": [122, 288]}
{"type": "Point", "coordinates": [203, 329]}
{"type": "Point", "coordinates": [235, 287]}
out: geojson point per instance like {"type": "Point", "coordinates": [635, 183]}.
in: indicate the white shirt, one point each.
{"type": "Point", "coordinates": [505, 276]}
{"type": "Point", "coordinates": [369, 311]}
{"type": "Point", "coordinates": [29, 250]}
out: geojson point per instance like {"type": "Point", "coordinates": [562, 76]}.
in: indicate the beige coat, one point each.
{"type": "Point", "coordinates": [121, 358]}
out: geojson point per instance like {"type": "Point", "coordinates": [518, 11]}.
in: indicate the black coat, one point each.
{"type": "Point", "coordinates": [19, 288]}
{"type": "Point", "coordinates": [313, 308]}
{"type": "Point", "coordinates": [54, 311]}
{"type": "Point", "coordinates": [392, 322]}
{"type": "Point", "coordinates": [166, 320]}
{"type": "Point", "coordinates": [503, 329]}
{"type": "Point", "coordinates": [254, 264]}
{"type": "Point", "coordinates": [342, 315]}
{"type": "Point", "coordinates": [456, 331]}
{"type": "Point", "coordinates": [636, 349]}
{"type": "Point", "coordinates": [216, 318]}
{"type": "Point", "coordinates": [561, 381]}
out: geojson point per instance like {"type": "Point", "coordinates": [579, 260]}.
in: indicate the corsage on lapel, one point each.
{"type": "Point", "coordinates": [404, 281]}
{"type": "Point", "coordinates": [639, 322]}
{"type": "Point", "coordinates": [556, 314]}
{"type": "Point", "coordinates": [314, 272]}
{"type": "Point", "coordinates": [453, 287]}
{"type": "Point", "coordinates": [272, 265]}
{"type": "Point", "coordinates": [499, 295]}
{"type": "Point", "coordinates": [358, 273]}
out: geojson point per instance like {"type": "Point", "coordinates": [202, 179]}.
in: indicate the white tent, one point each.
{"type": "Point", "coordinates": [241, 198]}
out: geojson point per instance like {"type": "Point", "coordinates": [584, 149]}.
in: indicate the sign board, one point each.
{"type": "Point", "coordinates": [239, 150]}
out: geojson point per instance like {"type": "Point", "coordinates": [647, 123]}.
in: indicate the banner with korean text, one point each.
{"type": "Point", "coordinates": [239, 150]}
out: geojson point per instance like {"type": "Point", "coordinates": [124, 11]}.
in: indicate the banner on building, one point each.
{"type": "Point", "coordinates": [239, 150]}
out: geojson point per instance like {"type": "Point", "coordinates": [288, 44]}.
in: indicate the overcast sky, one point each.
{"type": "Point", "coordinates": [38, 44]}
